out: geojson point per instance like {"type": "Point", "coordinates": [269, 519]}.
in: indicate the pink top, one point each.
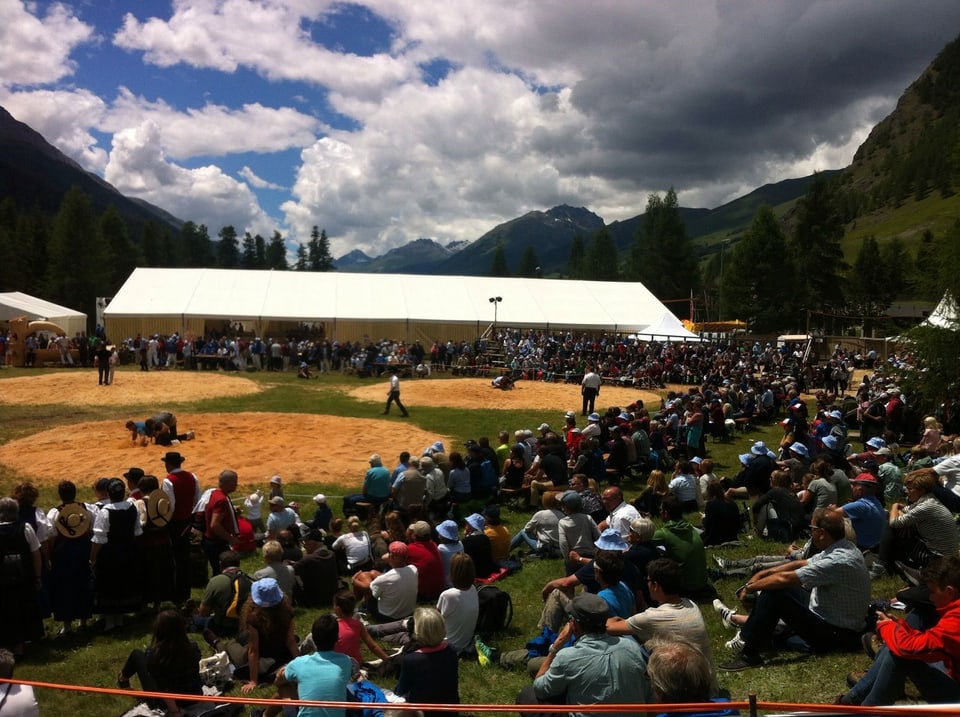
{"type": "Point", "coordinates": [931, 440]}
{"type": "Point", "coordinates": [348, 642]}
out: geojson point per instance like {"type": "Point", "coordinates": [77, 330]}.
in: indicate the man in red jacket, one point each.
{"type": "Point", "coordinates": [910, 652]}
{"type": "Point", "coordinates": [422, 552]}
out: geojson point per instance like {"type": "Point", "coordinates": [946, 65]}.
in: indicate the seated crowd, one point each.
{"type": "Point", "coordinates": [399, 567]}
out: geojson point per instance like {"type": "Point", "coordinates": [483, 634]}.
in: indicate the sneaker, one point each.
{"type": "Point", "coordinates": [877, 570]}
{"type": "Point", "coordinates": [741, 662]}
{"type": "Point", "coordinates": [721, 563]}
{"type": "Point", "coordinates": [725, 613]}
{"type": "Point", "coordinates": [871, 644]}
{"type": "Point", "coordinates": [735, 644]}
{"type": "Point", "coordinates": [483, 652]}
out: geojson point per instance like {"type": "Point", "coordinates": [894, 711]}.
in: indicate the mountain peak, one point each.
{"type": "Point", "coordinates": [580, 217]}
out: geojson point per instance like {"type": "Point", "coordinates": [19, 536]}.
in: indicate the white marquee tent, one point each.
{"type": "Point", "coordinates": [15, 303]}
{"type": "Point", "coordinates": [398, 306]}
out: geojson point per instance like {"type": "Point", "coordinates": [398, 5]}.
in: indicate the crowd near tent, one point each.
{"type": "Point", "coordinates": [15, 304]}
{"type": "Point", "coordinates": [348, 306]}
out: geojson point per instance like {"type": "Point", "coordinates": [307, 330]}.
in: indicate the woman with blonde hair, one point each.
{"type": "Point", "coordinates": [648, 502]}
{"type": "Point", "coordinates": [430, 675]}
{"type": "Point", "coordinates": [931, 436]}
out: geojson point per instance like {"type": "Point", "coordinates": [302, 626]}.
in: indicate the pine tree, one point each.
{"type": "Point", "coordinates": [302, 260]}
{"type": "Point", "coordinates": [499, 265]}
{"type": "Point", "coordinates": [815, 251]}
{"type": "Point", "coordinates": [313, 250]}
{"type": "Point", "coordinates": [277, 252]}
{"type": "Point", "coordinates": [662, 256]}
{"type": "Point", "coordinates": [197, 249]}
{"type": "Point", "coordinates": [602, 263]}
{"type": "Point", "coordinates": [529, 264]}
{"type": "Point", "coordinates": [248, 257]}
{"type": "Point", "coordinates": [125, 256]}
{"type": "Point", "coordinates": [152, 251]}
{"type": "Point", "coordinates": [78, 270]}
{"type": "Point", "coordinates": [260, 251]}
{"type": "Point", "coordinates": [318, 251]}
{"type": "Point", "coordinates": [578, 256]}
{"type": "Point", "coordinates": [755, 287]}
{"type": "Point", "coordinates": [326, 259]}
{"type": "Point", "coordinates": [228, 248]}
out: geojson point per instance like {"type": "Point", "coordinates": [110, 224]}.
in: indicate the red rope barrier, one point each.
{"type": "Point", "coordinates": [532, 709]}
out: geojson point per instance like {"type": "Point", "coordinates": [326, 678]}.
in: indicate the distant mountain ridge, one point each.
{"type": "Point", "coordinates": [33, 171]}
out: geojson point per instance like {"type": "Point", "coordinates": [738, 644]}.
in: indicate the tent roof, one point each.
{"type": "Point", "coordinates": [253, 295]}
{"type": "Point", "coordinates": [16, 303]}
{"type": "Point", "coordinates": [945, 315]}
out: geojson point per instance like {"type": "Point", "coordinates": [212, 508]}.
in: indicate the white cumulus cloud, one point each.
{"type": "Point", "coordinates": [36, 50]}
{"type": "Point", "coordinates": [138, 167]}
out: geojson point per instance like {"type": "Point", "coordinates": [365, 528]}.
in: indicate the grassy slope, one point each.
{"type": "Point", "coordinates": [95, 660]}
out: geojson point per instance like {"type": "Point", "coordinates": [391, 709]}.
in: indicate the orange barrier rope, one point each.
{"type": "Point", "coordinates": [749, 706]}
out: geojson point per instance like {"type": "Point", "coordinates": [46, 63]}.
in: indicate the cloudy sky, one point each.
{"type": "Point", "coordinates": [388, 120]}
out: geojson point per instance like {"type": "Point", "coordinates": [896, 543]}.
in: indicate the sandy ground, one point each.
{"type": "Point", "coordinates": [298, 447]}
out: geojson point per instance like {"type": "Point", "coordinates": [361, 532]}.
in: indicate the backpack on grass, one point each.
{"type": "Point", "coordinates": [496, 611]}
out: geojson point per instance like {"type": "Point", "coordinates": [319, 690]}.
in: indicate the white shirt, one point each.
{"type": "Point", "coordinates": [621, 517]}
{"type": "Point", "coordinates": [396, 592]}
{"type": "Point", "coordinates": [459, 609]}
{"type": "Point", "coordinates": [591, 380]}
{"type": "Point", "coordinates": [101, 524]}
{"type": "Point", "coordinates": [18, 701]}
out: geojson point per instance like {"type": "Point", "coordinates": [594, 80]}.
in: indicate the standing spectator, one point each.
{"type": "Point", "coordinates": [21, 570]}
{"type": "Point", "coordinates": [222, 529]}
{"type": "Point", "coordinates": [183, 490]}
{"type": "Point", "coordinates": [113, 557]}
{"type": "Point", "coordinates": [589, 390]}
{"type": "Point", "coordinates": [102, 361]}
{"type": "Point", "coordinates": [70, 589]}
{"type": "Point", "coordinates": [154, 548]}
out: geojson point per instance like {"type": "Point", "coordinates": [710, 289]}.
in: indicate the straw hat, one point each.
{"type": "Point", "coordinates": [159, 508]}
{"type": "Point", "coordinates": [73, 521]}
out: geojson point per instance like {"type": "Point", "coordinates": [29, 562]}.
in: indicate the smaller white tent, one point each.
{"type": "Point", "coordinates": [945, 315]}
{"type": "Point", "coordinates": [16, 303]}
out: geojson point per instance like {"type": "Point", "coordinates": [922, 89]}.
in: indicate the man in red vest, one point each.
{"type": "Point", "coordinates": [183, 490]}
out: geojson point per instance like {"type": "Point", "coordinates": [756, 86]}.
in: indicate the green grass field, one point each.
{"type": "Point", "coordinates": [94, 659]}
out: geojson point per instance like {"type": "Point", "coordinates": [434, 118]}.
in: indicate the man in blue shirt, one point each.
{"type": "Point", "coordinates": [866, 512]}
{"type": "Point", "coordinates": [322, 675]}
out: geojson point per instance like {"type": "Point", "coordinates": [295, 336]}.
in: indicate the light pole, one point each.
{"type": "Point", "coordinates": [495, 300]}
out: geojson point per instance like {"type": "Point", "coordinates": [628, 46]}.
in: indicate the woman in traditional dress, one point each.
{"type": "Point", "coordinates": [154, 545]}
{"type": "Point", "coordinates": [20, 570]}
{"type": "Point", "coordinates": [113, 557]}
{"type": "Point", "coordinates": [71, 587]}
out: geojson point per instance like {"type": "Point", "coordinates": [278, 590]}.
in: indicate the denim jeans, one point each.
{"type": "Point", "coordinates": [520, 538]}
{"type": "Point", "coordinates": [883, 683]}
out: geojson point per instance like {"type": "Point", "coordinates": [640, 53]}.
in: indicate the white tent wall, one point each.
{"type": "Point", "coordinates": [354, 306]}
{"type": "Point", "coordinates": [16, 303]}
